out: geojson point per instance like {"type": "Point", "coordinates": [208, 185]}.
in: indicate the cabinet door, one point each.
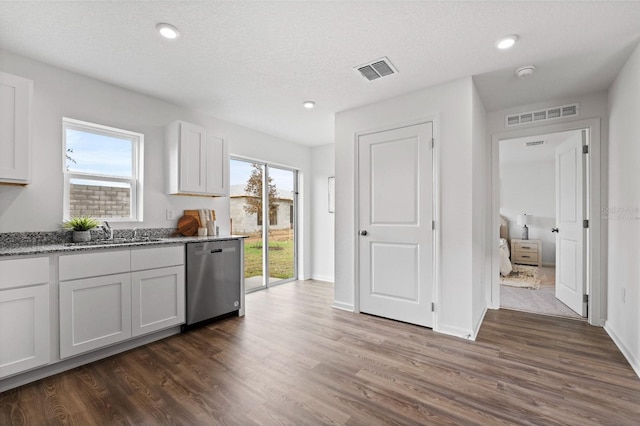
{"type": "Point", "coordinates": [15, 128]}
{"type": "Point", "coordinates": [158, 299]}
{"type": "Point", "coordinates": [217, 167]}
{"type": "Point", "coordinates": [24, 329]}
{"type": "Point", "coordinates": [94, 312]}
{"type": "Point", "coordinates": [193, 140]}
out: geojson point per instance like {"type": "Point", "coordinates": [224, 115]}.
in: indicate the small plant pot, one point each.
{"type": "Point", "coordinates": [81, 236]}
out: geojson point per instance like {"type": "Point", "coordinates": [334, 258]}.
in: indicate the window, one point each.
{"type": "Point", "coordinates": [102, 171]}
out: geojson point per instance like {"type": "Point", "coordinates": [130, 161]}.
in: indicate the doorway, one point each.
{"type": "Point", "coordinates": [542, 206]}
{"type": "Point", "coordinates": [593, 262]}
{"type": "Point", "coordinates": [263, 208]}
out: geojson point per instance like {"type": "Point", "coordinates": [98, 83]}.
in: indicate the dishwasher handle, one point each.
{"type": "Point", "coordinates": [215, 251]}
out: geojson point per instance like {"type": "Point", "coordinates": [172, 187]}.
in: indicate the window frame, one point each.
{"type": "Point", "coordinates": [135, 181]}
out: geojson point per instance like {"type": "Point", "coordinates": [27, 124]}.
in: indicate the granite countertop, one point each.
{"type": "Point", "coordinates": [74, 248]}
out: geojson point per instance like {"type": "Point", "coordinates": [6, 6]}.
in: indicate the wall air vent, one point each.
{"type": "Point", "coordinates": [379, 68]}
{"type": "Point", "coordinates": [534, 143]}
{"type": "Point", "coordinates": [564, 111]}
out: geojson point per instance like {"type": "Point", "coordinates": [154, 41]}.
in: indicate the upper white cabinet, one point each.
{"type": "Point", "coordinates": [24, 315]}
{"type": "Point", "coordinates": [15, 129]}
{"type": "Point", "coordinates": [197, 163]}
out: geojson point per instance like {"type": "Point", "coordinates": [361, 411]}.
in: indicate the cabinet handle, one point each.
{"type": "Point", "coordinates": [526, 256]}
{"type": "Point", "coordinates": [526, 247]}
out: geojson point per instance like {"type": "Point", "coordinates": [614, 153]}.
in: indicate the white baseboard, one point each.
{"type": "Point", "coordinates": [633, 361]}
{"type": "Point", "coordinates": [478, 324]}
{"type": "Point", "coordinates": [343, 306]}
{"type": "Point", "coordinates": [327, 278]}
{"type": "Point", "coordinates": [455, 332]}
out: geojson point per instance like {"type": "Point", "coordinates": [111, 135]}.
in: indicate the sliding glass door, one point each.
{"type": "Point", "coordinates": [263, 194]}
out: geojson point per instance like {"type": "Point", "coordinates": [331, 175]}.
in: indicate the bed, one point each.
{"type": "Point", "coordinates": [505, 261]}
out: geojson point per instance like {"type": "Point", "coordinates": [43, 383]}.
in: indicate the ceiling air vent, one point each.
{"type": "Point", "coordinates": [534, 143]}
{"type": "Point", "coordinates": [379, 68]}
{"type": "Point", "coordinates": [554, 113]}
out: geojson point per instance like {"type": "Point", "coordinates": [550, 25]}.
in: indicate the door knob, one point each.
{"type": "Point", "coordinates": [554, 230]}
{"type": "Point", "coordinates": [363, 233]}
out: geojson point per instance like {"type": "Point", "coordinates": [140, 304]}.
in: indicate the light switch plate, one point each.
{"type": "Point", "coordinates": [171, 214]}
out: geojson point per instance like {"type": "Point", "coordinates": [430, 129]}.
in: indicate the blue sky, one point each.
{"type": "Point", "coordinates": [241, 170]}
{"type": "Point", "coordinates": [99, 154]}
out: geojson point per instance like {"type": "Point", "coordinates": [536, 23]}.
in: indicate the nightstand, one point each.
{"type": "Point", "coordinates": [526, 252]}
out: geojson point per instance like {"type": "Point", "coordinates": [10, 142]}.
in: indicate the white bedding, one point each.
{"type": "Point", "coordinates": [505, 263]}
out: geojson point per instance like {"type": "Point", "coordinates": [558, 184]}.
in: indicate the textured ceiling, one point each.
{"type": "Point", "coordinates": [254, 63]}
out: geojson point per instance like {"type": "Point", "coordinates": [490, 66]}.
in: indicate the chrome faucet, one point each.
{"type": "Point", "coordinates": [107, 231]}
{"type": "Point", "coordinates": [135, 233]}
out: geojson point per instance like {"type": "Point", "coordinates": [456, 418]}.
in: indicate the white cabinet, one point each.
{"type": "Point", "coordinates": [24, 315]}
{"type": "Point", "coordinates": [110, 296]}
{"type": "Point", "coordinates": [197, 163]}
{"type": "Point", "coordinates": [15, 129]}
{"type": "Point", "coordinates": [158, 299]}
{"type": "Point", "coordinates": [158, 289]}
{"type": "Point", "coordinates": [94, 312]}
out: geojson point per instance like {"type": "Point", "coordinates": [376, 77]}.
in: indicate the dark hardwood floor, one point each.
{"type": "Point", "coordinates": [293, 360]}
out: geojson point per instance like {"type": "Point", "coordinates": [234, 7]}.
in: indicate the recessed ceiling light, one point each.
{"type": "Point", "coordinates": [168, 30]}
{"type": "Point", "coordinates": [309, 104]}
{"type": "Point", "coordinates": [506, 42]}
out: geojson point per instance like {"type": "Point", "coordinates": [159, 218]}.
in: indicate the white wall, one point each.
{"type": "Point", "coordinates": [530, 188]}
{"type": "Point", "coordinates": [623, 322]}
{"type": "Point", "coordinates": [452, 105]}
{"type": "Point", "coordinates": [59, 93]}
{"type": "Point", "coordinates": [481, 252]}
{"type": "Point", "coordinates": [322, 222]}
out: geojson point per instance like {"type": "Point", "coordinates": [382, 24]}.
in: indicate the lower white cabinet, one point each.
{"type": "Point", "coordinates": [100, 308]}
{"type": "Point", "coordinates": [24, 329]}
{"type": "Point", "coordinates": [24, 315]}
{"type": "Point", "coordinates": [158, 299]}
{"type": "Point", "coordinates": [94, 312]}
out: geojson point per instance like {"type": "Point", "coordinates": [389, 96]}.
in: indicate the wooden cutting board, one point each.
{"type": "Point", "coordinates": [196, 215]}
{"type": "Point", "coordinates": [187, 226]}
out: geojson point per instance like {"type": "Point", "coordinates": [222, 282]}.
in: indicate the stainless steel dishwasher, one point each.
{"type": "Point", "coordinates": [213, 279]}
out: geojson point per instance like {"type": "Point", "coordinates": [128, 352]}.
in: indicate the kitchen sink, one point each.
{"type": "Point", "coordinates": [113, 242]}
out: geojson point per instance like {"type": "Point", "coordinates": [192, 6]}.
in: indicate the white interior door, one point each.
{"type": "Point", "coordinates": [395, 219]}
{"type": "Point", "coordinates": [570, 283]}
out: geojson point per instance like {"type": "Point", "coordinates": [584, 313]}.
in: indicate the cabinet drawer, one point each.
{"type": "Point", "coordinates": [23, 272]}
{"type": "Point", "coordinates": [156, 257]}
{"type": "Point", "coordinates": [526, 247]}
{"type": "Point", "coordinates": [74, 266]}
{"type": "Point", "coordinates": [526, 257]}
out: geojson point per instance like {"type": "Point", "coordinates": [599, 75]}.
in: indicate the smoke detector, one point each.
{"type": "Point", "coordinates": [526, 71]}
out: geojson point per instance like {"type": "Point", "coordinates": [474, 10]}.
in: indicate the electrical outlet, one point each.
{"type": "Point", "coordinates": [171, 214]}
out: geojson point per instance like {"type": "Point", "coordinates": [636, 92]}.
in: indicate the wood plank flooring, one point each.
{"type": "Point", "coordinates": [293, 360]}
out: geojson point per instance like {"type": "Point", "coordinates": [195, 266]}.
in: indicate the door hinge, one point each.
{"type": "Point", "coordinates": [585, 298]}
{"type": "Point", "coordinates": [585, 223]}
{"type": "Point", "coordinates": [585, 149]}
{"type": "Point", "coordinates": [433, 143]}
{"type": "Point", "coordinates": [433, 225]}
{"type": "Point", "coordinates": [433, 307]}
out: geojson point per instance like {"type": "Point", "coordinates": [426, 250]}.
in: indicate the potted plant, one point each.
{"type": "Point", "coordinates": [81, 226]}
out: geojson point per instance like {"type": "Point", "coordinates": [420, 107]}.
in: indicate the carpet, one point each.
{"type": "Point", "coordinates": [523, 277]}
